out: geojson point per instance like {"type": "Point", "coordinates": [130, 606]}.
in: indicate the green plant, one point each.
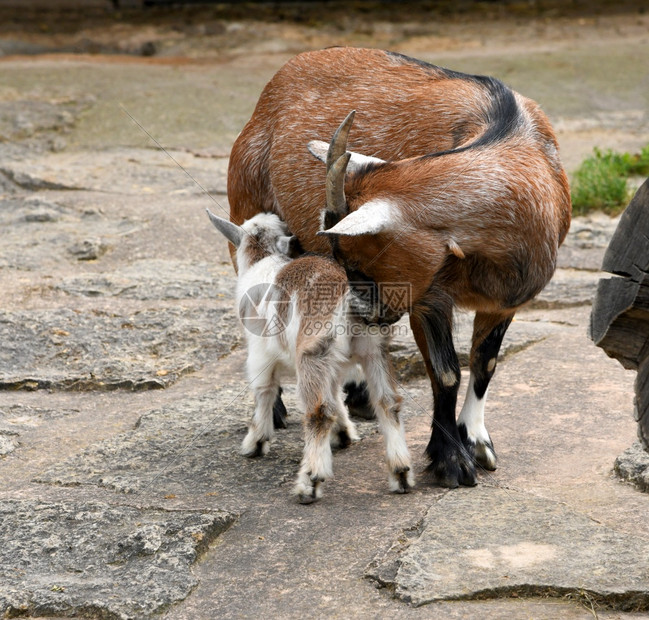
{"type": "Point", "coordinates": [600, 183]}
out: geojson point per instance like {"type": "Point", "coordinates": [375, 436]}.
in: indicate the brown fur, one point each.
{"type": "Point", "coordinates": [478, 228]}
{"type": "Point", "coordinates": [404, 111]}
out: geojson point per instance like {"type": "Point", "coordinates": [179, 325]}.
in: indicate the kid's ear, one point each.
{"type": "Point", "coordinates": [289, 245]}
{"type": "Point", "coordinates": [230, 231]}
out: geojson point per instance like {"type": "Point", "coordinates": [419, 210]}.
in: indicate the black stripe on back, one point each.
{"type": "Point", "coordinates": [502, 116]}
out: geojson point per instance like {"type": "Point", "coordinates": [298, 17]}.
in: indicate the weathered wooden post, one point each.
{"type": "Point", "coordinates": [619, 321]}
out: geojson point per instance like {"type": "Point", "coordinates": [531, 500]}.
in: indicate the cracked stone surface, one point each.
{"type": "Point", "coordinates": [116, 497]}
{"type": "Point", "coordinates": [124, 171]}
{"type": "Point", "coordinates": [41, 233]}
{"type": "Point", "coordinates": [16, 419]}
{"type": "Point", "coordinates": [409, 364]}
{"type": "Point", "coordinates": [147, 349]}
{"type": "Point", "coordinates": [192, 444]}
{"type": "Point", "coordinates": [529, 546]}
{"type": "Point", "coordinates": [97, 560]}
{"type": "Point", "coordinates": [155, 279]}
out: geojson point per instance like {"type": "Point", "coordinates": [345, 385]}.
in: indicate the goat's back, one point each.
{"type": "Point", "coordinates": [405, 108]}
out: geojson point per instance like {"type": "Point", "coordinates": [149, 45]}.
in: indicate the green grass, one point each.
{"type": "Point", "coordinates": [601, 182]}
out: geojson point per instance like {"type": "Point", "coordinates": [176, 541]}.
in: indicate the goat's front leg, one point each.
{"type": "Point", "coordinates": [450, 463]}
{"type": "Point", "coordinates": [265, 387]}
{"type": "Point", "coordinates": [488, 333]}
{"type": "Point", "coordinates": [279, 411]}
{"type": "Point", "coordinates": [344, 432]}
{"type": "Point", "coordinates": [387, 404]}
{"type": "Point", "coordinates": [357, 397]}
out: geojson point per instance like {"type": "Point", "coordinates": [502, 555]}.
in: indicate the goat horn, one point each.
{"type": "Point", "coordinates": [337, 160]}
{"type": "Point", "coordinates": [338, 144]}
{"type": "Point", "coordinates": [336, 200]}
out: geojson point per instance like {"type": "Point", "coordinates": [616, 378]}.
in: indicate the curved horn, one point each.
{"type": "Point", "coordinates": [338, 144]}
{"type": "Point", "coordinates": [337, 160]}
{"type": "Point", "coordinates": [336, 200]}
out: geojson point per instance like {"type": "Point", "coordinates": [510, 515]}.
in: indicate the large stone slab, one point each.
{"type": "Point", "coordinates": [156, 279]}
{"type": "Point", "coordinates": [64, 349]}
{"type": "Point", "coordinates": [494, 542]}
{"type": "Point", "coordinates": [125, 171]}
{"type": "Point", "coordinates": [21, 119]}
{"type": "Point", "coordinates": [15, 419]}
{"type": "Point", "coordinates": [568, 287]}
{"type": "Point", "coordinates": [40, 234]}
{"type": "Point", "coordinates": [192, 446]}
{"type": "Point", "coordinates": [586, 242]}
{"type": "Point", "coordinates": [99, 561]}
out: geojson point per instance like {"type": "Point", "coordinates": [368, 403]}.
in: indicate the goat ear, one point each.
{"type": "Point", "coordinates": [369, 219]}
{"type": "Point", "coordinates": [289, 245]}
{"type": "Point", "coordinates": [230, 231]}
{"type": "Point", "coordinates": [319, 149]}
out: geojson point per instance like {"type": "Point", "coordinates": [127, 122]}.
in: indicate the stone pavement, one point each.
{"type": "Point", "coordinates": [124, 400]}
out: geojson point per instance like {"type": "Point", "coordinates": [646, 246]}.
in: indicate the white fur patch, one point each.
{"type": "Point", "coordinates": [472, 414]}
{"type": "Point", "coordinates": [449, 379]}
{"type": "Point", "coordinates": [371, 218]}
{"type": "Point", "coordinates": [319, 149]}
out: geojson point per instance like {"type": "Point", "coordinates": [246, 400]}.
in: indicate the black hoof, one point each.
{"type": "Point", "coordinates": [402, 476]}
{"type": "Point", "coordinates": [312, 496]}
{"type": "Point", "coordinates": [451, 466]}
{"type": "Point", "coordinates": [358, 400]}
{"type": "Point", "coordinates": [257, 451]}
{"type": "Point", "coordinates": [279, 412]}
{"type": "Point", "coordinates": [307, 499]}
{"type": "Point", "coordinates": [482, 453]}
{"type": "Point", "coordinates": [344, 440]}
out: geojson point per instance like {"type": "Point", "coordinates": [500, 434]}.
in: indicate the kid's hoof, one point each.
{"type": "Point", "coordinates": [404, 479]}
{"type": "Point", "coordinates": [259, 448]}
{"type": "Point", "coordinates": [308, 489]}
{"type": "Point", "coordinates": [307, 499]}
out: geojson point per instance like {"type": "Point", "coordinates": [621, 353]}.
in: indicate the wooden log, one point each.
{"type": "Point", "coordinates": [628, 252]}
{"type": "Point", "coordinates": [619, 321]}
{"type": "Point", "coordinates": [641, 402]}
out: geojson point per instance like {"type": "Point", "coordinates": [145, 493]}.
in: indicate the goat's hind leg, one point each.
{"type": "Point", "coordinates": [344, 432]}
{"type": "Point", "coordinates": [317, 461]}
{"type": "Point", "coordinates": [488, 333]}
{"type": "Point", "coordinates": [314, 385]}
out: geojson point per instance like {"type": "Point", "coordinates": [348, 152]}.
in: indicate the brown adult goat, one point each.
{"type": "Point", "coordinates": [459, 196]}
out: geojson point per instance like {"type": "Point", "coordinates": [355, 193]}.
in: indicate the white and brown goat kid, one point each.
{"type": "Point", "coordinates": [303, 323]}
{"type": "Point", "coordinates": [454, 187]}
